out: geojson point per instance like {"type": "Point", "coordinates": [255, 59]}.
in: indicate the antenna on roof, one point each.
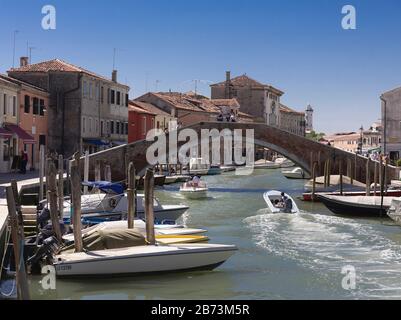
{"type": "Point", "coordinates": [114, 58]}
{"type": "Point", "coordinates": [30, 54]}
{"type": "Point", "coordinates": [15, 35]}
{"type": "Point", "coordinates": [156, 84]}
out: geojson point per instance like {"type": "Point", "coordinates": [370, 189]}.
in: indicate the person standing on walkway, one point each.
{"type": "Point", "coordinates": [24, 161]}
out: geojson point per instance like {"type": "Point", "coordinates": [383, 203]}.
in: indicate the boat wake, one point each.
{"type": "Point", "coordinates": [326, 244]}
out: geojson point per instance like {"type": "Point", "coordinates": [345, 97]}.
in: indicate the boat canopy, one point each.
{"type": "Point", "coordinates": [105, 186]}
{"type": "Point", "coordinates": [111, 239]}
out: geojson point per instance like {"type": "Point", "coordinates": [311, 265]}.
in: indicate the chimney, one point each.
{"type": "Point", "coordinates": [114, 76]}
{"type": "Point", "coordinates": [23, 61]}
{"type": "Point", "coordinates": [228, 76]}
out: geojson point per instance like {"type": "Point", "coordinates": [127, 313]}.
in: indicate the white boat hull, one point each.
{"type": "Point", "coordinates": [194, 194]}
{"type": "Point", "coordinates": [142, 259]}
{"type": "Point", "coordinates": [273, 195]}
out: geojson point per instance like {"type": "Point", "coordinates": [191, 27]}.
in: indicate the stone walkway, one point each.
{"type": "Point", "coordinates": [7, 177]}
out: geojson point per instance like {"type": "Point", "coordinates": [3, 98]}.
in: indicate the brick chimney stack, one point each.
{"type": "Point", "coordinates": [23, 61]}
{"type": "Point", "coordinates": [114, 76]}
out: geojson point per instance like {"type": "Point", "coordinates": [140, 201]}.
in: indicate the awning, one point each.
{"type": "Point", "coordinates": [5, 134]}
{"type": "Point", "coordinates": [96, 142]}
{"type": "Point", "coordinates": [21, 133]}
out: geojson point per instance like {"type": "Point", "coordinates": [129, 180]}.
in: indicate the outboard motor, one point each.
{"type": "Point", "coordinates": [46, 251]}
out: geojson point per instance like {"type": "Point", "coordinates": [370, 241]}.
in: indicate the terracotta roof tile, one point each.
{"type": "Point", "coordinates": [56, 65]}
{"type": "Point", "coordinates": [286, 109]}
{"type": "Point", "coordinates": [148, 107]}
{"type": "Point", "coordinates": [242, 81]}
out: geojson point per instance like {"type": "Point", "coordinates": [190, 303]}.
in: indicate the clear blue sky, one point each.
{"type": "Point", "coordinates": [295, 45]}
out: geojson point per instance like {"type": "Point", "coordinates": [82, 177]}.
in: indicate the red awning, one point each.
{"type": "Point", "coordinates": [21, 133]}
{"type": "Point", "coordinates": [5, 134]}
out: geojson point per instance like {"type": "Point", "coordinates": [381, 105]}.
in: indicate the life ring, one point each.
{"type": "Point", "coordinates": [113, 202]}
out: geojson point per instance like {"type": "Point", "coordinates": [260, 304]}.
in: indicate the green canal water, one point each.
{"type": "Point", "coordinates": [280, 256]}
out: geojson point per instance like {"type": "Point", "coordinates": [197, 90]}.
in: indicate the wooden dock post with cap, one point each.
{"type": "Point", "coordinates": [52, 196]}
{"type": "Point", "coordinates": [340, 171]}
{"type": "Point", "coordinates": [131, 195]}
{"type": "Point", "coordinates": [314, 169]}
{"type": "Point", "coordinates": [149, 214]}
{"type": "Point", "coordinates": [76, 202]}
{"type": "Point", "coordinates": [41, 171]}
{"type": "Point", "coordinates": [368, 177]}
{"type": "Point", "coordinates": [60, 185]}
{"type": "Point", "coordinates": [18, 245]}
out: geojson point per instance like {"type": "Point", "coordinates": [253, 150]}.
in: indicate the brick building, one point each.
{"type": "Point", "coordinates": [86, 111]}
{"type": "Point", "coordinates": [140, 121]}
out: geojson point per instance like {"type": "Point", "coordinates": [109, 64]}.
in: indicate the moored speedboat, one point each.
{"type": "Point", "coordinates": [284, 162]}
{"type": "Point", "coordinates": [112, 203]}
{"type": "Point", "coordinates": [297, 173]}
{"type": "Point", "coordinates": [127, 253]}
{"type": "Point", "coordinates": [361, 206]}
{"type": "Point", "coordinates": [274, 201]}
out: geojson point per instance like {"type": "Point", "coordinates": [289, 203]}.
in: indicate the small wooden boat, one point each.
{"type": "Point", "coordinates": [275, 204]}
{"type": "Point", "coordinates": [192, 190]}
{"type": "Point", "coordinates": [297, 173]}
{"type": "Point", "coordinates": [361, 206]}
{"type": "Point", "coordinates": [125, 252]}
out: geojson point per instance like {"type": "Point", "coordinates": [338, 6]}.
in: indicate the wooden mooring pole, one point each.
{"type": "Point", "coordinates": [86, 171]}
{"type": "Point", "coordinates": [149, 214]}
{"type": "Point", "coordinates": [51, 184]}
{"type": "Point", "coordinates": [368, 177]}
{"type": "Point", "coordinates": [41, 171]}
{"type": "Point", "coordinates": [131, 195]}
{"type": "Point", "coordinates": [60, 185]}
{"type": "Point", "coordinates": [18, 246]}
{"type": "Point", "coordinates": [375, 179]}
{"type": "Point", "coordinates": [76, 202]}
{"type": "Point", "coordinates": [340, 171]}
{"type": "Point", "coordinates": [314, 169]}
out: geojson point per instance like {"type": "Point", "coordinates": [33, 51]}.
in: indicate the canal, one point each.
{"type": "Point", "coordinates": [280, 256]}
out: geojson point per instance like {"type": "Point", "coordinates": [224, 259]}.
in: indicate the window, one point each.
{"type": "Point", "coordinates": [118, 127]}
{"type": "Point", "coordinates": [14, 106]}
{"type": "Point", "coordinates": [108, 95]}
{"type": "Point", "coordinates": [97, 92]}
{"type": "Point", "coordinates": [42, 107]}
{"type": "Point", "coordinates": [96, 125]}
{"type": "Point", "coordinates": [90, 90]}
{"type": "Point", "coordinates": [144, 125]}
{"type": "Point", "coordinates": [83, 124]}
{"type": "Point", "coordinates": [42, 140]}
{"type": "Point", "coordinates": [126, 128]}
{"type": "Point", "coordinates": [5, 104]}
{"type": "Point", "coordinates": [111, 127]}
{"type": "Point", "coordinates": [102, 94]}
{"type": "Point", "coordinates": [85, 89]}
{"type": "Point", "coordinates": [108, 127]}
{"type": "Point", "coordinates": [90, 124]}
{"type": "Point", "coordinates": [27, 104]}
{"type": "Point", "coordinates": [113, 97]}
{"type": "Point", "coordinates": [126, 100]}
{"type": "Point", "coordinates": [118, 97]}
{"type": "Point", "coordinates": [35, 106]}
{"type": "Point", "coordinates": [101, 128]}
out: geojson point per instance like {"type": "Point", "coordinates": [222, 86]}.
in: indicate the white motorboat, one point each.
{"type": "Point", "coordinates": [126, 253]}
{"type": "Point", "coordinates": [192, 190]}
{"type": "Point", "coordinates": [395, 211]}
{"type": "Point", "coordinates": [113, 203]}
{"type": "Point", "coordinates": [264, 164]}
{"type": "Point", "coordinates": [284, 162]}
{"type": "Point", "coordinates": [274, 201]}
{"type": "Point", "coordinates": [297, 173]}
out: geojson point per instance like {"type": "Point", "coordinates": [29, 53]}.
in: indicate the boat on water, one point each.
{"type": "Point", "coordinates": [159, 180]}
{"type": "Point", "coordinates": [112, 202]}
{"type": "Point", "coordinates": [394, 211]}
{"type": "Point", "coordinates": [296, 173]}
{"type": "Point", "coordinates": [307, 196]}
{"type": "Point", "coordinates": [198, 167]}
{"type": "Point", "coordinates": [265, 164]}
{"type": "Point", "coordinates": [194, 190]}
{"type": "Point", "coordinates": [124, 252]}
{"type": "Point", "coordinates": [176, 179]}
{"type": "Point", "coordinates": [361, 206]}
{"type": "Point", "coordinates": [274, 201]}
{"type": "Point", "coordinates": [284, 162]}
{"type": "Point", "coordinates": [214, 169]}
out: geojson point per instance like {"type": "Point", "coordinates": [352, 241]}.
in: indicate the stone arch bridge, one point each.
{"type": "Point", "coordinates": [303, 152]}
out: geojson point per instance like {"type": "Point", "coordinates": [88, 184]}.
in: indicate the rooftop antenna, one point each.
{"type": "Point", "coordinates": [15, 35]}
{"type": "Point", "coordinates": [114, 58]}
{"type": "Point", "coordinates": [156, 84]}
{"type": "Point", "coordinates": [30, 54]}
